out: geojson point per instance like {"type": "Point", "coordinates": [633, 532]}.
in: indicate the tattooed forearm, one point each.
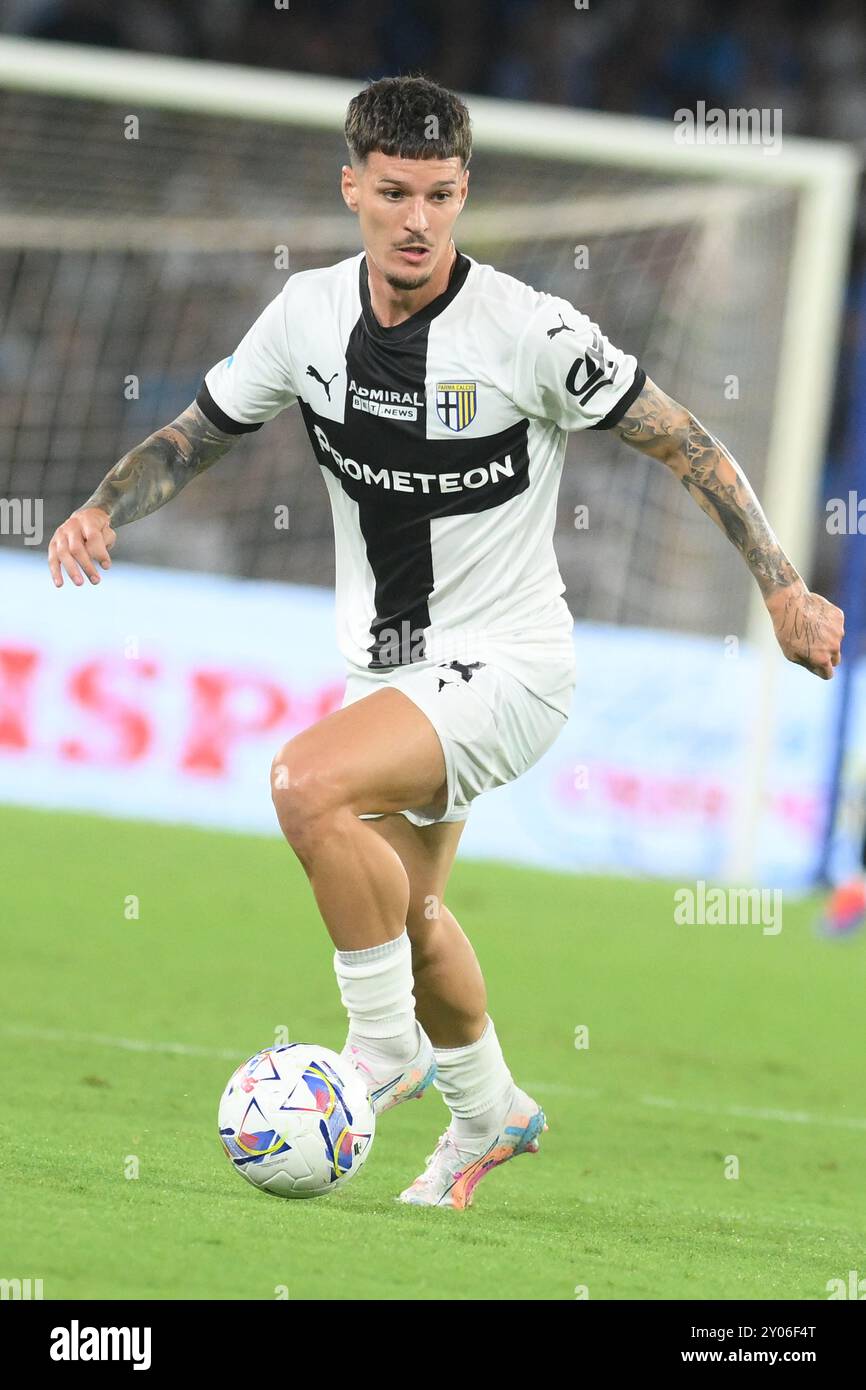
{"type": "Point", "coordinates": [657, 425]}
{"type": "Point", "coordinates": [155, 471]}
{"type": "Point", "coordinates": [719, 486]}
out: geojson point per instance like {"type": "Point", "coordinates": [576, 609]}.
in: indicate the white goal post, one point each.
{"type": "Point", "coordinates": [704, 182]}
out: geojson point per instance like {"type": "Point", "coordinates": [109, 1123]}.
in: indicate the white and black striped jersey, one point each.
{"type": "Point", "coordinates": [441, 441]}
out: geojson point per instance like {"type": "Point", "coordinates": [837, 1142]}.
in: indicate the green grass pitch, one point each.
{"type": "Point", "coordinates": [704, 1042]}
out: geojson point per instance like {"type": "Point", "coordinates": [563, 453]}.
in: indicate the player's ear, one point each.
{"type": "Point", "coordinates": [349, 187]}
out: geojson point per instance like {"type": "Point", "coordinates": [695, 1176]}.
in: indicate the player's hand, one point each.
{"type": "Point", "coordinates": [79, 545]}
{"type": "Point", "coordinates": [808, 629]}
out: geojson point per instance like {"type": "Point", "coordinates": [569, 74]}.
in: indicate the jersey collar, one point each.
{"type": "Point", "coordinates": [459, 271]}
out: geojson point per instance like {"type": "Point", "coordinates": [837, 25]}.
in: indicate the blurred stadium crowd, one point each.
{"type": "Point", "coordinates": [809, 59]}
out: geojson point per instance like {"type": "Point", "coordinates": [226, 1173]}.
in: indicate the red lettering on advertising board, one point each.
{"type": "Point", "coordinates": [219, 719]}
{"type": "Point", "coordinates": [124, 732]}
{"type": "Point", "coordinates": [17, 670]}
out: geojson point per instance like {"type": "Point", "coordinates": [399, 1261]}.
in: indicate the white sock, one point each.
{"type": "Point", "coordinates": [476, 1086]}
{"type": "Point", "coordinates": [376, 989]}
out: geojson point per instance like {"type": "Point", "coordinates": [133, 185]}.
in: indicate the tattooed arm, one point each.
{"type": "Point", "coordinates": [144, 479]}
{"type": "Point", "coordinates": [808, 628]}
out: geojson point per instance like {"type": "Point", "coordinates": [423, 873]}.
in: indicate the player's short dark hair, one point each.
{"type": "Point", "coordinates": [409, 118]}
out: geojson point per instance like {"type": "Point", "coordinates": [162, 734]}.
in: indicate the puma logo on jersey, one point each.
{"type": "Point", "coordinates": [465, 670]}
{"type": "Point", "coordinates": [311, 371]}
{"type": "Point", "coordinates": [593, 363]}
{"type": "Point", "coordinates": [563, 327]}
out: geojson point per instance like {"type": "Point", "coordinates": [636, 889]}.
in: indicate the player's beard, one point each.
{"type": "Point", "coordinates": [400, 282]}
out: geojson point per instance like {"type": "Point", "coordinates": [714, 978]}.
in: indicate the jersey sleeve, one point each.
{"type": "Point", "coordinates": [255, 383]}
{"type": "Point", "coordinates": [565, 370]}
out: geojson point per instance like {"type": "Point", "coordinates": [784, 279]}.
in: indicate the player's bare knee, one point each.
{"type": "Point", "coordinates": [303, 793]}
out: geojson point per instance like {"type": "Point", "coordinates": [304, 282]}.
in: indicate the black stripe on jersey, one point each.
{"type": "Point", "coordinates": [380, 455]}
{"type": "Point", "coordinates": [396, 524]}
{"type": "Point", "coordinates": [616, 412]}
{"type": "Point", "coordinates": [383, 435]}
{"type": "Point", "coordinates": [208, 406]}
{"type": "Point", "coordinates": [401, 331]}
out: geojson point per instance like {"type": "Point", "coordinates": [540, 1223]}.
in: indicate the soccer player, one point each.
{"type": "Point", "coordinates": [845, 910]}
{"type": "Point", "coordinates": [438, 394]}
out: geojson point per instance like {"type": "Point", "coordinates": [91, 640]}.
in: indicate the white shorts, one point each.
{"type": "Point", "coordinates": [491, 727]}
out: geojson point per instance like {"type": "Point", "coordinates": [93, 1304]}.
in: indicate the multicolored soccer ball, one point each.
{"type": "Point", "coordinates": [296, 1121]}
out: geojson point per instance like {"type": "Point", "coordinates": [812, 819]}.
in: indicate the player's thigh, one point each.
{"type": "Point", "coordinates": [427, 853]}
{"type": "Point", "coordinates": [379, 754]}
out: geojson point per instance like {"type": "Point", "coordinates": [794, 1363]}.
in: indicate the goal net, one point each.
{"type": "Point", "coordinates": [150, 208]}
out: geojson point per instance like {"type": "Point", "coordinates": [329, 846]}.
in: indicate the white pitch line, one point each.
{"type": "Point", "coordinates": [13, 1030]}
{"type": "Point", "coordinates": [750, 1112]}
{"type": "Point", "coordinates": [738, 1112]}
